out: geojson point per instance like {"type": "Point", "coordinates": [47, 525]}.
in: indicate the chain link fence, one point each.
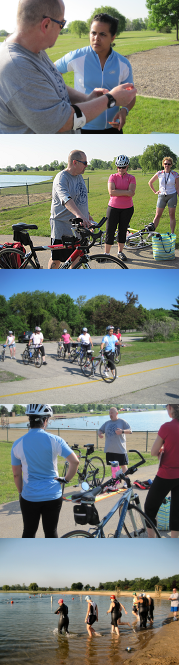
{"type": "Point", "coordinates": [23, 195]}
{"type": "Point", "coordinates": [141, 441]}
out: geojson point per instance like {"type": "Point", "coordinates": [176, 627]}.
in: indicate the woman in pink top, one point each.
{"type": "Point", "coordinates": [121, 187]}
{"type": "Point", "coordinates": [66, 339]}
{"type": "Point", "coordinates": [166, 447]}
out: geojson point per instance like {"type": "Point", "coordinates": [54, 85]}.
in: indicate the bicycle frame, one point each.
{"type": "Point", "coordinates": [125, 499]}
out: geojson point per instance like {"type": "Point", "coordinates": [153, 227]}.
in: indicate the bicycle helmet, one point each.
{"type": "Point", "coordinates": [10, 332]}
{"type": "Point", "coordinates": [37, 329]}
{"type": "Point", "coordinates": [40, 410]}
{"type": "Point", "coordinates": [64, 331]}
{"type": "Point", "coordinates": [84, 329]}
{"type": "Point", "coordinates": [109, 328]}
{"type": "Point", "coordinates": [122, 160]}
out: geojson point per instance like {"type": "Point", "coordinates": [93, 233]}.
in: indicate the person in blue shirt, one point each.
{"type": "Point", "coordinates": [109, 341]}
{"type": "Point", "coordinates": [99, 66]}
{"type": "Point", "coordinates": [34, 466]}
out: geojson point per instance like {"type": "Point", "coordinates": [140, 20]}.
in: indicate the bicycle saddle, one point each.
{"type": "Point", "coordinates": [21, 226]}
{"type": "Point", "coordinates": [86, 496]}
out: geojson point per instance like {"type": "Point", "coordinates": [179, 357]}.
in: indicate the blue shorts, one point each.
{"type": "Point", "coordinates": [174, 609]}
{"type": "Point", "coordinates": [167, 199]}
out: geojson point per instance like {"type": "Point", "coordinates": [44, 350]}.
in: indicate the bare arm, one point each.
{"type": "Point", "coordinates": [121, 115]}
{"type": "Point", "coordinates": [150, 183]}
{"type": "Point", "coordinates": [73, 466]}
{"type": "Point", "coordinates": [156, 446]}
{"type": "Point", "coordinates": [17, 473]}
{"type": "Point", "coordinates": [125, 431]}
{"type": "Point", "coordinates": [177, 185]}
{"type": "Point", "coordinates": [121, 192]}
{"type": "Point", "coordinates": [72, 207]}
{"type": "Point", "coordinates": [111, 606]}
{"type": "Point", "coordinates": [95, 107]}
{"type": "Point", "coordinates": [100, 434]}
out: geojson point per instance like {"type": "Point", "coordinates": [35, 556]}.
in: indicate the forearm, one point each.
{"type": "Point", "coordinates": [73, 466]}
{"type": "Point", "coordinates": [94, 107]}
{"type": "Point", "coordinates": [75, 96]}
{"type": "Point", "coordinates": [121, 192]}
{"type": "Point", "coordinates": [18, 481]}
{"type": "Point", "coordinates": [72, 207]}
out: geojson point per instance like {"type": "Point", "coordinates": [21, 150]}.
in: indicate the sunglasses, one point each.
{"type": "Point", "coordinates": [122, 167]}
{"type": "Point", "coordinates": [80, 160]}
{"type": "Point", "coordinates": [167, 164]}
{"type": "Point", "coordinates": [60, 23]}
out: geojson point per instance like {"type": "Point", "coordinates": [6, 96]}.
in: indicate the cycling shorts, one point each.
{"type": "Point", "coordinates": [167, 199]}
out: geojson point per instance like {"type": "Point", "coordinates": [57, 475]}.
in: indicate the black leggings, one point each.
{"type": "Point", "coordinates": [117, 217]}
{"type": "Point", "coordinates": [33, 510]}
{"type": "Point", "coordinates": [157, 493]}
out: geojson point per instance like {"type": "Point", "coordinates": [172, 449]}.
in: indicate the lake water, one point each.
{"type": "Point", "coordinates": [28, 631]}
{"type": "Point", "coordinates": [15, 180]}
{"type": "Point", "coordinates": [139, 422]}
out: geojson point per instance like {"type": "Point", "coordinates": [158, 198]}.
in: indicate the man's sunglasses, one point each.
{"type": "Point", "coordinates": [60, 23]}
{"type": "Point", "coordinates": [80, 160]}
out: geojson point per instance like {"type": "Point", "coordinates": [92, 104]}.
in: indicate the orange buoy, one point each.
{"type": "Point", "coordinates": [12, 601]}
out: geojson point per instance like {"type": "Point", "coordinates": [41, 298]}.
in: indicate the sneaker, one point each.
{"type": "Point", "coordinates": [44, 363]}
{"type": "Point", "coordinates": [124, 487]}
{"type": "Point", "coordinates": [106, 374]}
{"type": "Point", "coordinates": [122, 256]}
{"type": "Point", "coordinates": [175, 619]}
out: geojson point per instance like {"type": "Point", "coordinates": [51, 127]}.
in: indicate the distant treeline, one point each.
{"type": "Point", "coordinates": [53, 313]}
{"type": "Point", "coordinates": [137, 584]}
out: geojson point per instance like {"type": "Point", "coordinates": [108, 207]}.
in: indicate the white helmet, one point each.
{"type": "Point", "coordinates": [40, 410]}
{"type": "Point", "coordinates": [37, 329]}
{"type": "Point", "coordinates": [10, 332]}
{"type": "Point", "coordinates": [122, 160]}
{"type": "Point", "coordinates": [64, 331]}
{"type": "Point", "coordinates": [84, 329]}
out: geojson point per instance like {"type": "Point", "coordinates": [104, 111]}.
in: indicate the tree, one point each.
{"type": "Point", "coordinates": [112, 12]}
{"type": "Point", "coordinates": [33, 586]}
{"type": "Point", "coordinates": [134, 163]}
{"type": "Point", "coordinates": [4, 411]}
{"type": "Point", "coordinates": [5, 587]}
{"type": "Point", "coordinates": [79, 28]}
{"type": "Point", "coordinates": [175, 312]}
{"type": "Point", "coordinates": [152, 157]}
{"type": "Point", "coordinates": [77, 586]}
{"type": "Point", "coordinates": [164, 13]}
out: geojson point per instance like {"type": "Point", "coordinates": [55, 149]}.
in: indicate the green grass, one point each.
{"type": "Point", "coordinates": [138, 352]}
{"type": "Point", "coordinates": [151, 115]}
{"type": "Point", "coordinates": [8, 491]}
{"type": "Point", "coordinates": [9, 376]}
{"type": "Point", "coordinates": [144, 204]}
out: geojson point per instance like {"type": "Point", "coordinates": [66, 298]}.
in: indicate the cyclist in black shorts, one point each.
{"type": "Point", "coordinates": [121, 187]}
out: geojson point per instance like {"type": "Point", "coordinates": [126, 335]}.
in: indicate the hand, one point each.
{"type": "Point", "coordinates": [86, 222]}
{"type": "Point", "coordinates": [97, 92]}
{"type": "Point", "coordinates": [125, 612]}
{"type": "Point", "coordinates": [118, 431]}
{"type": "Point", "coordinates": [123, 94]}
{"type": "Point", "coordinates": [121, 116]}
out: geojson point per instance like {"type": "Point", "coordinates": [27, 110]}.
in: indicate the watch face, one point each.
{"type": "Point", "coordinates": [113, 103]}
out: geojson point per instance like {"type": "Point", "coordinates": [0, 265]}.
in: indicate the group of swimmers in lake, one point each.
{"type": "Point", "coordinates": [142, 609]}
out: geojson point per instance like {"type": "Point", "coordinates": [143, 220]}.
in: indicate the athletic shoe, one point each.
{"type": "Point", "coordinates": [45, 363]}
{"type": "Point", "coordinates": [106, 374]}
{"type": "Point", "coordinates": [124, 486]}
{"type": "Point", "coordinates": [122, 256]}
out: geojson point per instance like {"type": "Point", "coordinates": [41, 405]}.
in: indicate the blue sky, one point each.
{"type": "Point", "coordinates": [81, 12]}
{"type": "Point", "coordinates": [34, 150]}
{"type": "Point", "coordinates": [155, 288]}
{"type": "Point", "coordinates": [50, 562]}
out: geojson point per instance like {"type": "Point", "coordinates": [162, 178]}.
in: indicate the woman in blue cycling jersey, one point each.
{"type": "Point", "coordinates": [99, 66]}
{"type": "Point", "coordinates": [34, 466]}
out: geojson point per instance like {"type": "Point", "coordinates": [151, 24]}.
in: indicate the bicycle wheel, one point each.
{"type": "Point", "coordinates": [84, 358]}
{"type": "Point", "coordinates": [77, 534]}
{"type": "Point", "coordinates": [25, 357]}
{"type": "Point", "coordinates": [108, 374]}
{"type": "Point", "coordinates": [95, 471]}
{"type": "Point", "coordinates": [61, 355]}
{"type": "Point", "coordinates": [73, 356]}
{"type": "Point", "coordinates": [87, 367]}
{"type": "Point", "coordinates": [117, 357]}
{"type": "Point", "coordinates": [136, 523]}
{"type": "Point", "coordinates": [3, 355]}
{"type": "Point", "coordinates": [139, 241]}
{"type": "Point", "coordinates": [38, 359]}
{"type": "Point", "coordinates": [9, 259]}
{"type": "Point", "coordinates": [99, 261]}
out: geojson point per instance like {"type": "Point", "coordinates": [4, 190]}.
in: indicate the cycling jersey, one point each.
{"type": "Point", "coordinates": [37, 451]}
{"type": "Point", "coordinates": [36, 339]}
{"type": "Point", "coordinates": [109, 342]}
{"type": "Point", "coordinates": [88, 74]}
{"type": "Point", "coordinates": [167, 182]}
{"type": "Point", "coordinates": [65, 338]}
{"type": "Point", "coordinates": [85, 339]}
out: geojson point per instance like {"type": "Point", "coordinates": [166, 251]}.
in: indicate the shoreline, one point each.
{"type": "Point", "coordinates": [162, 649]}
{"type": "Point", "coordinates": [164, 595]}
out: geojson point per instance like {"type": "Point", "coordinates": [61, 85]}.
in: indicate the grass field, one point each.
{"type": "Point", "coordinates": [142, 351]}
{"type": "Point", "coordinates": [144, 205]}
{"type": "Point", "coordinates": [149, 115]}
{"type": "Point", "coordinates": [8, 491]}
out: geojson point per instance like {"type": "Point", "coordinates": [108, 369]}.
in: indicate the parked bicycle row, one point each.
{"type": "Point", "coordinates": [42, 492]}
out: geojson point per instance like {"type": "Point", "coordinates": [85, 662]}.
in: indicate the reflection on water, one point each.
{"type": "Point", "coordinates": [28, 632]}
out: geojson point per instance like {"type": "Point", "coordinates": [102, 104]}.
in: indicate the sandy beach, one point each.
{"type": "Point", "coordinates": [162, 649]}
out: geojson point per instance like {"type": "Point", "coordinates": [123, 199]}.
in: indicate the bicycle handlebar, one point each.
{"type": "Point", "coordinates": [62, 480]}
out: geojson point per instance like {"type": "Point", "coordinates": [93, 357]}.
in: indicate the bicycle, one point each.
{"type": "Point", "coordinates": [141, 239]}
{"type": "Point", "coordinates": [117, 354]}
{"type": "Point", "coordinates": [107, 368]}
{"type": "Point", "coordinates": [91, 470]}
{"type": "Point", "coordinates": [131, 516]}
{"type": "Point", "coordinates": [3, 353]}
{"type": "Point", "coordinates": [78, 355]}
{"type": "Point", "coordinates": [61, 351]}
{"type": "Point", "coordinates": [13, 258]}
{"type": "Point", "coordinates": [32, 357]}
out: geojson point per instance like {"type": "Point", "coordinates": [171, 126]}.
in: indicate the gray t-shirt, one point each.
{"type": "Point", "coordinates": [33, 95]}
{"type": "Point", "coordinates": [114, 443]}
{"type": "Point", "coordinates": [66, 185]}
{"type": "Point", "coordinates": [174, 600]}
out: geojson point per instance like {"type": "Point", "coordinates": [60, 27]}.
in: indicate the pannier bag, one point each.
{"type": "Point", "coordinates": [90, 449]}
{"type": "Point", "coordinates": [163, 515]}
{"type": "Point", "coordinates": [86, 514]}
{"type": "Point", "coordinates": [14, 258]}
{"type": "Point", "coordinates": [164, 246]}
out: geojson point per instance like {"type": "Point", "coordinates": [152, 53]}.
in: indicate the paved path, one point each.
{"type": "Point", "coordinates": [11, 519]}
{"type": "Point", "coordinates": [62, 382]}
{"type": "Point", "coordinates": [136, 260]}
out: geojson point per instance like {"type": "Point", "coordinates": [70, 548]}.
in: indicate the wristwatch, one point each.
{"type": "Point", "coordinates": [111, 101]}
{"type": "Point", "coordinates": [122, 431]}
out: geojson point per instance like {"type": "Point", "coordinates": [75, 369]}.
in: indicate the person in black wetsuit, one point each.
{"type": "Point", "coordinates": [91, 616]}
{"type": "Point", "coordinates": [115, 609]}
{"type": "Point", "coordinates": [143, 610]}
{"type": "Point", "coordinates": [150, 610]}
{"type": "Point", "coordinates": [63, 619]}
